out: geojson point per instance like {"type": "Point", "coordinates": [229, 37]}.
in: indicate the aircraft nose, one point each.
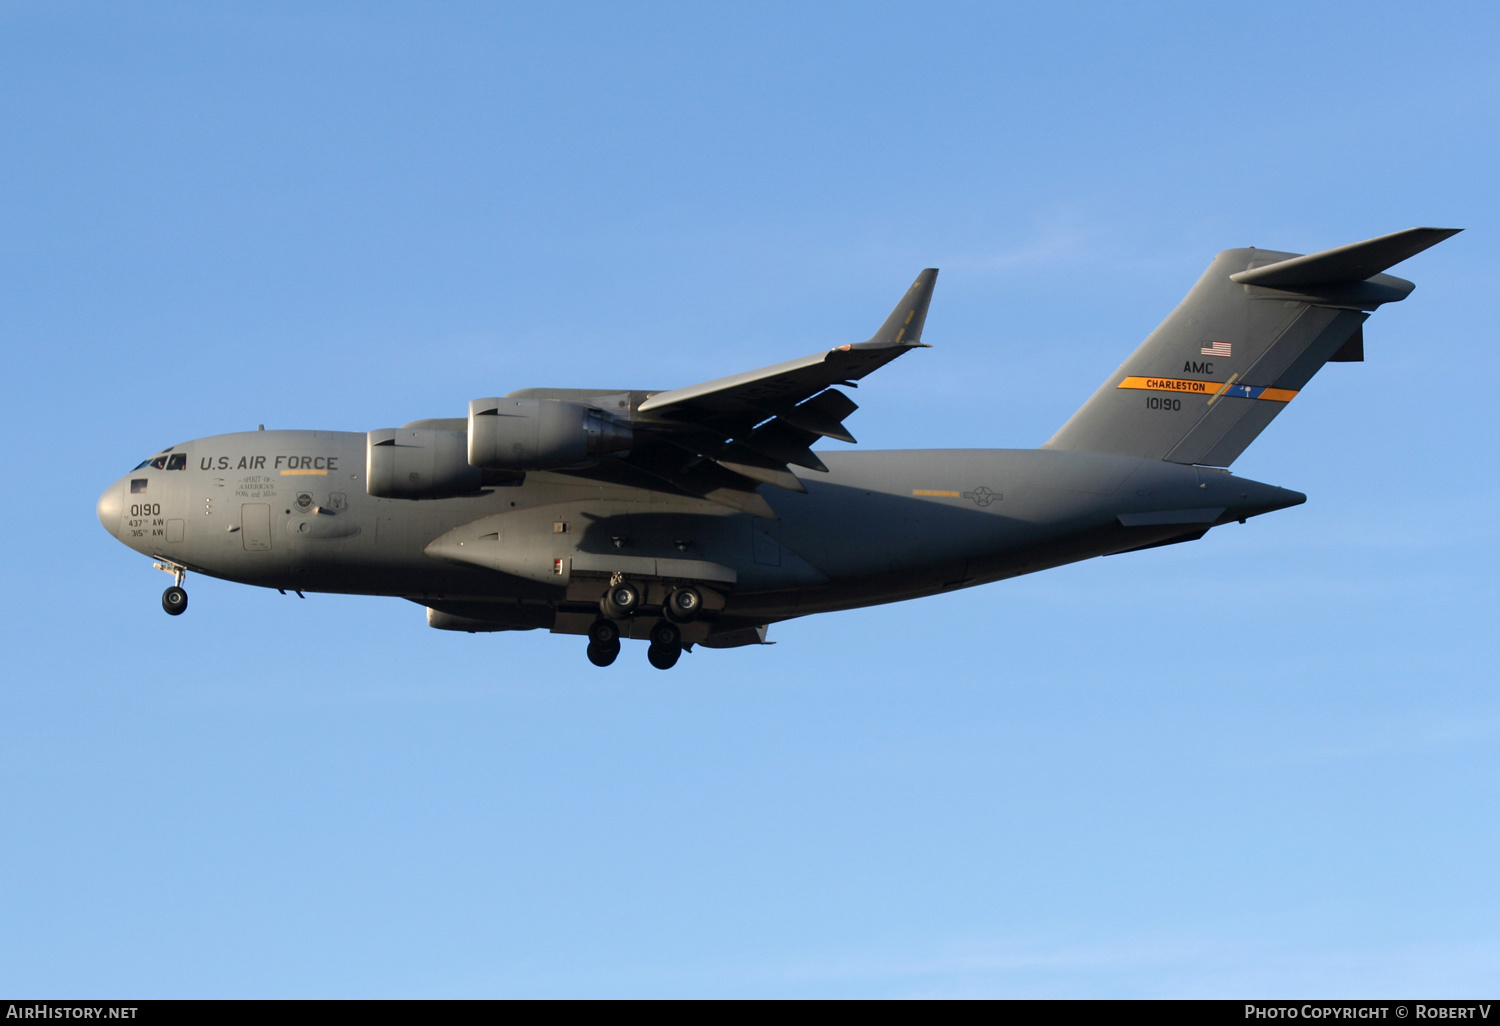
{"type": "Point", "coordinates": [111, 505]}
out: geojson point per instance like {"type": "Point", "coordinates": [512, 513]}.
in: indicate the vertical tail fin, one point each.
{"type": "Point", "coordinates": [1251, 333]}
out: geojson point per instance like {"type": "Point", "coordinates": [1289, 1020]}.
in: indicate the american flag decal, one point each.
{"type": "Point", "coordinates": [1216, 349]}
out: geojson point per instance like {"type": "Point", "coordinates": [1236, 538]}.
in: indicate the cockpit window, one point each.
{"type": "Point", "coordinates": [137, 485]}
{"type": "Point", "coordinates": [165, 460]}
{"type": "Point", "coordinates": [139, 465]}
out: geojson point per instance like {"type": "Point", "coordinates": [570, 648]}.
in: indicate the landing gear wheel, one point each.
{"type": "Point", "coordinates": [683, 605]}
{"type": "Point", "coordinates": [666, 635]}
{"type": "Point", "coordinates": [620, 602]}
{"type": "Point", "coordinates": [604, 642]}
{"type": "Point", "coordinates": [603, 655]}
{"type": "Point", "coordinates": [666, 645]}
{"type": "Point", "coordinates": [663, 657]}
{"type": "Point", "coordinates": [174, 600]}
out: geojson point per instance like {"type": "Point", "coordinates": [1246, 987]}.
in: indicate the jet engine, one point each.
{"type": "Point", "coordinates": [407, 463]}
{"type": "Point", "coordinates": [538, 434]}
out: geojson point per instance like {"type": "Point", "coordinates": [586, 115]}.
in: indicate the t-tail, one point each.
{"type": "Point", "coordinates": [1240, 346]}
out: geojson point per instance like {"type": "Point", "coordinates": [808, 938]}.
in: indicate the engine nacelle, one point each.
{"type": "Point", "coordinates": [406, 463]}
{"type": "Point", "coordinates": [538, 434]}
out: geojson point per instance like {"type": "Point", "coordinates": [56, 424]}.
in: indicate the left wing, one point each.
{"type": "Point", "coordinates": [724, 438]}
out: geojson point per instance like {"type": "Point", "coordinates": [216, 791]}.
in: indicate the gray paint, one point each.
{"type": "Point", "coordinates": [1275, 337]}
{"type": "Point", "coordinates": [407, 512]}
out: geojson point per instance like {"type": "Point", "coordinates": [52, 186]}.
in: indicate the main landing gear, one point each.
{"type": "Point", "coordinates": [666, 646]}
{"type": "Point", "coordinates": [620, 603]}
{"type": "Point", "coordinates": [174, 599]}
{"type": "Point", "coordinates": [604, 642]}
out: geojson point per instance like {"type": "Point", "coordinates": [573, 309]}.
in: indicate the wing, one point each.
{"type": "Point", "coordinates": [723, 439]}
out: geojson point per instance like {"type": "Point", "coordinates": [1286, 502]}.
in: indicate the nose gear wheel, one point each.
{"type": "Point", "coordinates": [174, 599]}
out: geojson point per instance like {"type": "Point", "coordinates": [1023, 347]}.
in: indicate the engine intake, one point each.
{"type": "Point", "coordinates": [409, 463]}
{"type": "Point", "coordinates": [539, 434]}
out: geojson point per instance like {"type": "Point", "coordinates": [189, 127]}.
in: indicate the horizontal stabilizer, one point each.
{"type": "Point", "coordinates": [1344, 265]}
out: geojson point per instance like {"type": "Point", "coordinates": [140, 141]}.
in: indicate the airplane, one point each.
{"type": "Point", "coordinates": [699, 516]}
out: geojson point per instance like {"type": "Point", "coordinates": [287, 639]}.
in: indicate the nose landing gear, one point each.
{"type": "Point", "coordinates": [174, 599]}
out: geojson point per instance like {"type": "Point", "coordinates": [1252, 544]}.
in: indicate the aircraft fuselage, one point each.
{"type": "Point", "coordinates": [289, 510]}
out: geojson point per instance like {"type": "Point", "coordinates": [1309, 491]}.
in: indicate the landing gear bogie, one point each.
{"type": "Point", "coordinates": [623, 602]}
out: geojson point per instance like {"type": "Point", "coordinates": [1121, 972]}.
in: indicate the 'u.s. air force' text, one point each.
{"type": "Point", "coordinates": [259, 463]}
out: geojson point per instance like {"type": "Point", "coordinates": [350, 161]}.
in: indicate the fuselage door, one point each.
{"type": "Point", "coordinates": [255, 526]}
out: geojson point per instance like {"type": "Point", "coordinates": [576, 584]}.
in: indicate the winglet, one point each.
{"type": "Point", "coordinates": [1345, 265]}
{"type": "Point", "coordinates": [904, 326]}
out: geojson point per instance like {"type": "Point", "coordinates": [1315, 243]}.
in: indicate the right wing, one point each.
{"type": "Point", "coordinates": [723, 438]}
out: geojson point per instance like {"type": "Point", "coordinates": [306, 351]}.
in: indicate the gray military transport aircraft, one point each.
{"type": "Point", "coordinates": [699, 515]}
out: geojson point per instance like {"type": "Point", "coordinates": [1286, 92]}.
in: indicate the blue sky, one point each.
{"type": "Point", "coordinates": [1264, 763]}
